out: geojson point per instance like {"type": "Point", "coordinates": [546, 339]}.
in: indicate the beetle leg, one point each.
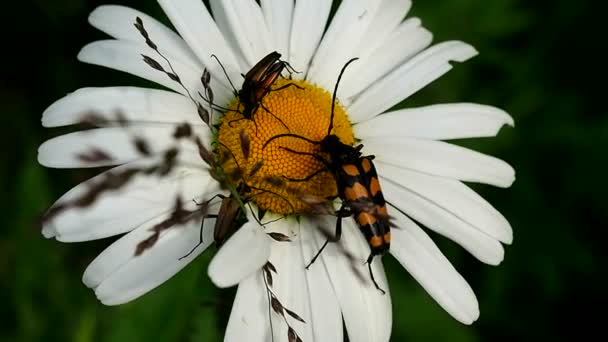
{"type": "Point", "coordinates": [200, 241]}
{"type": "Point", "coordinates": [205, 203]}
{"type": "Point", "coordinates": [209, 200]}
{"type": "Point", "coordinates": [371, 274]}
{"type": "Point", "coordinates": [290, 69]}
{"type": "Point", "coordinates": [342, 212]}
{"type": "Point", "coordinates": [276, 117]}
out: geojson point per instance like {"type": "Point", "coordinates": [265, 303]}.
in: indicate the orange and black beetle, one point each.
{"type": "Point", "coordinates": [358, 187]}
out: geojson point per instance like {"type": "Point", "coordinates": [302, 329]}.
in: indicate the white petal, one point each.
{"type": "Point", "coordinates": [246, 23]}
{"type": "Point", "coordinates": [326, 317]}
{"type": "Point", "coordinates": [409, 78]}
{"type": "Point", "coordinates": [127, 56]}
{"type": "Point", "coordinates": [197, 27]}
{"type": "Point", "coordinates": [290, 286]}
{"type": "Point", "coordinates": [309, 18]}
{"type": "Point", "coordinates": [117, 21]}
{"type": "Point", "coordinates": [389, 15]}
{"type": "Point", "coordinates": [243, 254]}
{"type": "Point", "coordinates": [308, 293]}
{"type": "Point", "coordinates": [119, 276]}
{"type": "Point", "coordinates": [122, 251]}
{"type": "Point", "coordinates": [138, 105]}
{"type": "Point", "coordinates": [118, 143]}
{"type": "Point", "coordinates": [221, 20]}
{"type": "Point", "coordinates": [249, 316]}
{"type": "Point", "coordinates": [454, 197]}
{"type": "Point", "coordinates": [366, 311]}
{"type": "Point", "coordinates": [278, 15]}
{"type": "Point", "coordinates": [339, 42]}
{"type": "Point", "coordinates": [415, 250]}
{"type": "Point", "coordinates": [441, 159]}
{"type": "Point", "coordinates": [408, 40]}
{"type": "Point", "coordinates": [118, 211]}
{"type": "Point", "coordinates": [437, 122]}
{"type": "Point", "coordinates": [479, 244]}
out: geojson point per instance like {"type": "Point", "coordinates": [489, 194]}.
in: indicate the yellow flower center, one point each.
{"type": "Point", "coordinates": [275, 178]}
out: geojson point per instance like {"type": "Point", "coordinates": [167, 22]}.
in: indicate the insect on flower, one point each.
{"type": "Point", "coordinates": [257, 84]}
{"type": "Point", "coordinates": [358, 187]}
{"type": "Point", "coordinates": [156, 215]}
{"type": "Point", "coordinates": [232, 208]}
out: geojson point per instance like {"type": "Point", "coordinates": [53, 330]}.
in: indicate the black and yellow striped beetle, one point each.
{"type": "Point", "coordinates": [358, 187]}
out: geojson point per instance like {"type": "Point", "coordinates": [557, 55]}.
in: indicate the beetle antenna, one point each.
{"type": "Point", "coordinates": [333, 100]}
{"type": "Point", "coordinates": [289, 135]}
{"type": "Point", "coordinates": [225, 73]}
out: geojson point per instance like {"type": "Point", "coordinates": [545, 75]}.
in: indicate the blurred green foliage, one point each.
{"type": "Point", "coordinates": [538, 60]}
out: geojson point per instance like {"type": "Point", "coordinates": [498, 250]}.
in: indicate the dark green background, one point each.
{"type": "Point", "coordinates": [542, 61]}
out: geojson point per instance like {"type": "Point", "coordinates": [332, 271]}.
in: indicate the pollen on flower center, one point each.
{"type": "Point", "coordinates": [275, 177]}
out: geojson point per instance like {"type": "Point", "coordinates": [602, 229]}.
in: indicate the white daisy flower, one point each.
{"type": "Point", "coordinates": [422, 176]}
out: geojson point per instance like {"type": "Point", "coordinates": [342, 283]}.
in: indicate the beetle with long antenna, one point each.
{"type": "Point", "coordinates": [257, 83]}
{"type": "Point", "coordinates": [232, 208]}
{"type": "Point", "coordinates": [357, 183]}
